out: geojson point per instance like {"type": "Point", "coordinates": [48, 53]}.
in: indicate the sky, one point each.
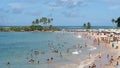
{"type": "Point", "coordinates": [63, 12]}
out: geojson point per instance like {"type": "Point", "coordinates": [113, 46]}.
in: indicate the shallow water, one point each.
{"type": "Point", "coordinates": [18, 48]}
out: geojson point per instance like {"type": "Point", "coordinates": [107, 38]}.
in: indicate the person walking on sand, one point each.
{"type": "Point", "coordinates": [94, 65]}
{"type": "Point", "coordinates": [117, 63]}
{"type": "Point", "coordinates": [117, 40]}
{"type": "Point", "coordinates": [100, 55]}
{"type": "Point", "coordinates": [98, 41]}
{"type": "Point", "coordinates": [108, 56]}
{"type": "Point", "coordinates": [111, 60]}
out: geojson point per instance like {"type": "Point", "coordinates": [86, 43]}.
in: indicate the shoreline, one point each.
{"type": "Point", "coordinates": [110, 50]}
{"type": "Point", "coordinates": [89, 37]}
{"type": "Point", "coordinates": [88, 62]}
{"type": "Point", "coordinates": [71, 30]}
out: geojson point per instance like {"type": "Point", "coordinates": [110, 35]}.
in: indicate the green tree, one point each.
{"type": "Point", "coordinates": [45, 20]}
{"type": "Point", "coordinates": [49, 20]}
{"type": "Point", "coordinates": [37, 21]}
{"type": "Point", "coordinates": [117, 21]}
{"type": "Point", "coordinates": [113, 20]}
{"type": "Point", "coordinates": [88, 25]}
{"type": "Point", "coordinates": [84, 25]}
{"type": "Point", "coordinates": [33, 23]}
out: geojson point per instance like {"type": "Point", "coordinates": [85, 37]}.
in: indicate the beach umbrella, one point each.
{"type": "Point", "coordinates": [103, 36]}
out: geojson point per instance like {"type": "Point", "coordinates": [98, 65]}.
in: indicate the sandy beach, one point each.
{"type": "Point", "coordinates": [105, 58]}
{"type": "Point", "coordinates": [102, 59]}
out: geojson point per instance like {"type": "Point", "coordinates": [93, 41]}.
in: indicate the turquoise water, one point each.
{"type": "Point", "coordinates": [18, 48]}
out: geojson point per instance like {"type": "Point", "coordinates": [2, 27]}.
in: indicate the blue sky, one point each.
{"type": "Point", "coordinates": [64, 12]}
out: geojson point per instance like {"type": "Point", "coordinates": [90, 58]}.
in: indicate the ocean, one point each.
{"type": "Point", "coordinates": [81, 27]}
{"type": "Point", "coordinates": [76, 27]}
{"type": "Point", "coordinates": [18, 48]}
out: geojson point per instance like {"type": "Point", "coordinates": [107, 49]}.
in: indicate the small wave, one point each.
{"type": "Point", "coordinates": [77, 52]}
{"type": "Point", "coordinates": [91, 48]}
{"type": "Point", "coordinates": [79, 36]}
{"type": "Point", "coordinates": [87, 61]}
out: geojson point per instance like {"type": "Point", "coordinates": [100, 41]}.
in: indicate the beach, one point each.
{"type": "Point", "coordinates": [101, 59]}
{"type": "Point", "coordinates": [60, 34]}
{"type": "Point", "coordinates": [63, 49]}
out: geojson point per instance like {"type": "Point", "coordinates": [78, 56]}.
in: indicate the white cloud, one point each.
{"type": "Point", "coordinates": [115, 7]}
{"type": "Point", "coordinates": [70, 14]}
{"type": "Point", "coordinates": [67, 3]}
{"type": "Point", "coordinates": [112, 1]}
{"type": "Point", "coordinates": [71, 3]}
{"type": "Point", "coordinates": [16, 5]}
{"type": "Point", "coordinates": [54, 5]}
{"type": "Point", "coordinates": [33, 13]}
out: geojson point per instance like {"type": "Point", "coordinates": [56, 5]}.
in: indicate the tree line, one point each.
{"type": "Point", "coordinates": [116, 21]}
{"type": "Point", "coordinates": [44, 24]}
{"type": "Point", "coordinates": [36, 25]}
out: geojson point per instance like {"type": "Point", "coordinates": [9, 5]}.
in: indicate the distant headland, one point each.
{"type": "Point", "coordinates": [44, 24]}
{"type": "Point", "coordinates": [36, 26]}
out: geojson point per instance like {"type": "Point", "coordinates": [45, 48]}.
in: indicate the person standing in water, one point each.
{"type": "Point", "coordinates": [100, 55]}
{"type": "Point", "coordinates": [68, 51]}
{"type": "Point", "coordinates": [61, 55]}
{"type": "Point", "coordinates": [85, 44]}
{"type": "Point", "coordinates": [90, 55]}
{"type": "Point", "coordinates": [8, 64]}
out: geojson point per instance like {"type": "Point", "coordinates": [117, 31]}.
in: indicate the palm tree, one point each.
{"type": "Point", "coordinates": [49, 20]}
{"type": "Point", "coordinates": [113, 20]}
{"type": "Point", "coordinates": [117, 21]}
{"type": "Point", "coordinates": [33, 23]}
{"type": "Point", "coordinates": [84, 25]}
{"type": "Point", "coordinates": [45, 20]}
{"type": "Point", "coordinates": [41, 21]}
{"type": "Point", "coordinates": [37, 21]}
{"type": "Point", "coordinates": [88, 25]}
